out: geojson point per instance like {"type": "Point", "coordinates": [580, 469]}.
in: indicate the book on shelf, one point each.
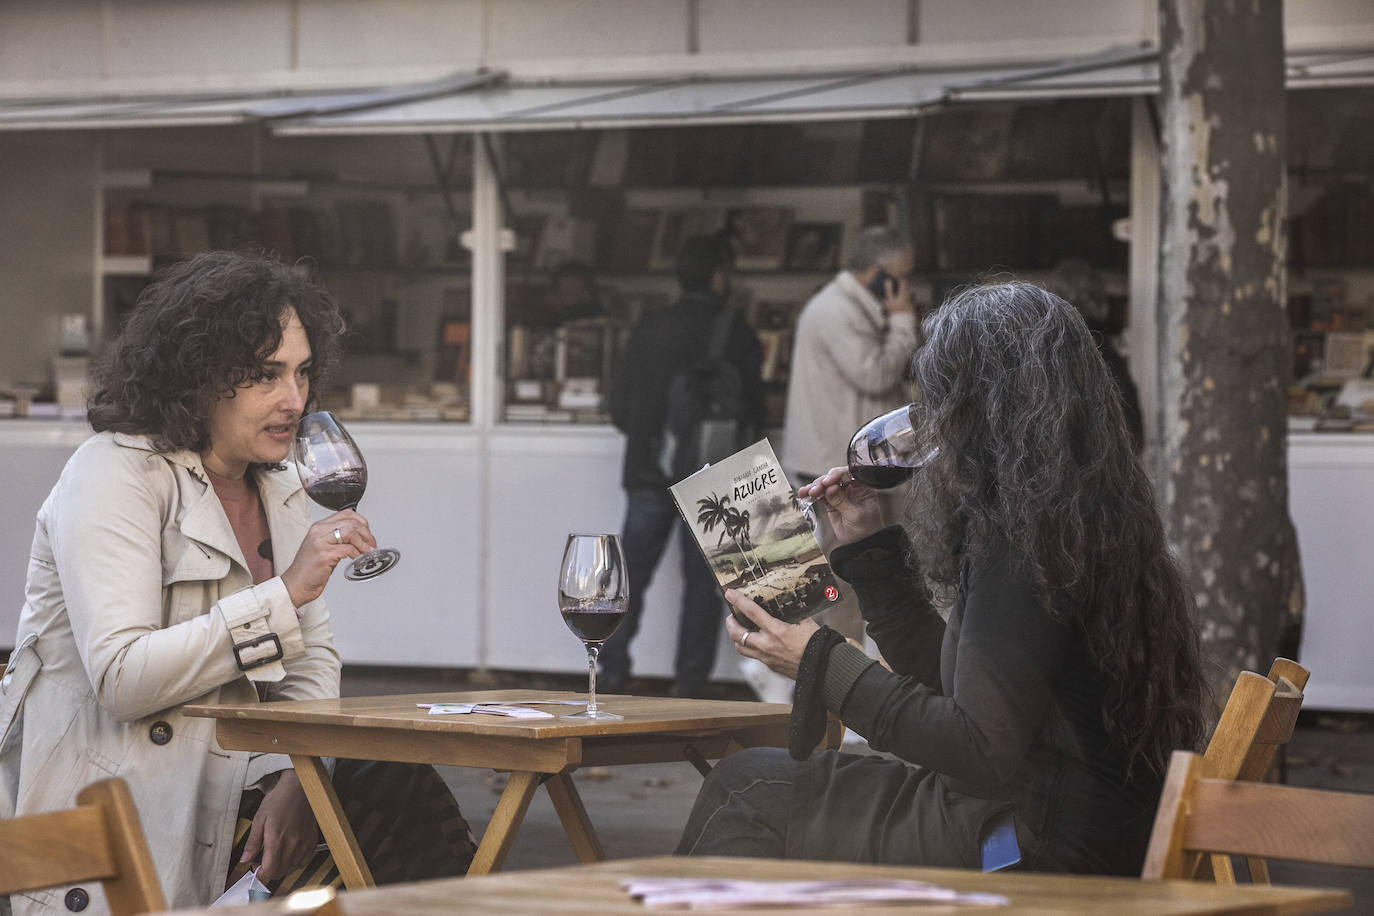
{"type": "Point", "coordinates": [776, 357]}
{"type": "Point", "coordinates": [127, 231]}
{"type": "Point", "coordinates": [563, 239]}
{"type": "Point", "coordinates": [453, 349]}
{"type": "Point", "coordinates": [755, 536]}
{"type": "Point", "coordinates": [814, 246]}
{"type": "Point", "coordinates": [630, 242]}
{"type": "Point", "coordinates": [1344, 355]}
{"type": "Point", "coordinates": [675, 226]}
{"type": "Point", "coordinates": [366, 232]}
{"type": "Point", "coordinates": [760, 236]}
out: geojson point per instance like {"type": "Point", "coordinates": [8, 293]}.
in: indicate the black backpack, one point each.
{"type": "Point", "coordinates": [707, 416]}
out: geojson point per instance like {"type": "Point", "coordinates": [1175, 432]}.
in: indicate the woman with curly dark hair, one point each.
{"type": "Point", "coordinates": [1036, 722]}
{"type": "Point", "coordinates": [175, 562]}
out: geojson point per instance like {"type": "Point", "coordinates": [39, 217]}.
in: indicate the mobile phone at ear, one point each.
{"type": "Point", "coordinates": [882, 285]}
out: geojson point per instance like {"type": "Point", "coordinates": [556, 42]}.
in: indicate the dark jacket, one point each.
{"type": "Point", "coordinates": [1000, 709]}
{"type": "Point", "coordinates": [664, 342]}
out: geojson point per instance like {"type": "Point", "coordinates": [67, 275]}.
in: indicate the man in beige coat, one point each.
{"type": "Point", "coordinates": [851, 352]}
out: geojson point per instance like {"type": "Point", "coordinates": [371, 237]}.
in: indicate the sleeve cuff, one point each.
{"type": "Point", "coordinates": [882, 571]}
{"type": "Point", "coordinates": [842, 670]}
{"type": "Point", "coordinates": [263, 629]}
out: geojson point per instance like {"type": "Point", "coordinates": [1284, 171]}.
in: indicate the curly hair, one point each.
{"type": "Point", "coordinates": [202, 329]}
{"type": "Point", "coordinates": [1034, 451]}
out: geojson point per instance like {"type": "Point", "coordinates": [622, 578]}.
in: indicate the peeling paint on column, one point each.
{"type": "Point", "coordinates": [1223, 327]}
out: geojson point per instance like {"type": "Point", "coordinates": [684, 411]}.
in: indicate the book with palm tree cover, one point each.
{"type": "Point", "coordinates": [754, 535]}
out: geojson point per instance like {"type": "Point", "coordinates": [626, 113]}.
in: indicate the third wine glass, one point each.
{"type": "Point", "coordinates": [593, 594]}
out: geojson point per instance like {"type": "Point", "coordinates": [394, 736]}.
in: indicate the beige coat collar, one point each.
{"type": "Point", "coordinates": [204, 520]}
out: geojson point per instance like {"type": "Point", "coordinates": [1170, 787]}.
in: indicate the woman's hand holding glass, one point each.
{"type": "Point", "coordinates": [853, 510]}
{"type": "Point", "coordinates": [321, 551]}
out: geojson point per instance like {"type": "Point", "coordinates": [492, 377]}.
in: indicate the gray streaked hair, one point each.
{"type": "Point", "coordinates": [876, 245]}
{"type": "Point", "coordinates": [1035, 459]}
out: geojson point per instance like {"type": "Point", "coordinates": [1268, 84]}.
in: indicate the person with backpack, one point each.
{"type": "Point", "coordinates": [686, 389]}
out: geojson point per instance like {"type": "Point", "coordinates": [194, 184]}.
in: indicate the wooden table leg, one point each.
{"type": "Point", "coordinates": [329, 814]}
{"type": "Point", "coordinates": [505, 820]}
{"type": "Point", "coordinates": [568, 803]}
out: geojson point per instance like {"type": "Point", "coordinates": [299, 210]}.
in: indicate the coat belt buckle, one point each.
{"type": "Point", "coordinates": [241, 647]}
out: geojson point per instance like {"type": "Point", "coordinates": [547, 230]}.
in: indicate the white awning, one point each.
{"type": "Point", "coordinates": [886, 93]}
{"type": "Point", "coordinates": [483, 101]}
{"type": "Point", "coordinates": [1139, 75]}
{"type": "Point", "coordinates": [647, 103]}
{"type": "Point", "coordinates": [217, 108]}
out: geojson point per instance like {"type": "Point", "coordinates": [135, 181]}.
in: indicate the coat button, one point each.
{"type": "Point", "coordinates": [160, 733]}
{"type": "Point", "coordinates": [77, 899]}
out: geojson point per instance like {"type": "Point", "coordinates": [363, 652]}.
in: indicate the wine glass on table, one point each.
{"type": "Point", "coordinates": [593, 593]}
{"type": "Point", "coordinates": [335, 475]}
{"type": "Point", "coordinates": [886, 451]}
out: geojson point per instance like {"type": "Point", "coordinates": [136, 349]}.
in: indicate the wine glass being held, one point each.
{"type": "Point", "coordinates": [853, 510]}
{"type": "Point", "coordinates": [342, 535]}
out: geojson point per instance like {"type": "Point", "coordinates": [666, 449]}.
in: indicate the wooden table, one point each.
{"type": "Point", "coordinates": [535, 751]}
{"type": "Point", "coordinates": [595, 889]}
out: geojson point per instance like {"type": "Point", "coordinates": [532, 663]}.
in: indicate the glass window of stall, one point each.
{"type": "Point", "coordinates": [598, 217]}
{"type": "Point", "coordinates": [377, 220]}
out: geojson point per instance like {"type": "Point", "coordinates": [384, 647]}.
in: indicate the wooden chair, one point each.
{"type": "Point", "coordinates": [1200, 814]}
{"type": "Point", "coordinates": [1257, 721]}
{"type": "Point", "coordinates": [100, 840]}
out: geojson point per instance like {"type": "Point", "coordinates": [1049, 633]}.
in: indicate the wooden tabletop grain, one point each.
{"type": "Point", "coordinates": [642, 715]}
{"type": "Point", "coordinates": [584, 890]}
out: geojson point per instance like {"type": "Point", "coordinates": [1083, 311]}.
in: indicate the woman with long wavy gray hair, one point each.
{"type": "Point", "coordinates": [1033, 725]}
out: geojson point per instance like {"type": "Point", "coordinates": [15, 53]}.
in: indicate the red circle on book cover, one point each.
{"type": "Point", "coordinates": [831, 593]}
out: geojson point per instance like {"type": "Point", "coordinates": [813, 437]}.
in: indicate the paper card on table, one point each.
{"type": "Point", "coordinates": [717, 893]}
{"type": "Point", "coordinates": [492, 709]}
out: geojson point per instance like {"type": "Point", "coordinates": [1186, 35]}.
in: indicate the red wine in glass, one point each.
{"type": "Point", "coordinates": [334, 474]}
{"type": "Point", "coordinates": [343, 490]}
{"type": "Point", "coordinates": [593, 594]}
{"type": "Point", "coordinates": [887, 450]}
{"type": "Point", "coordinates": [593, 623]}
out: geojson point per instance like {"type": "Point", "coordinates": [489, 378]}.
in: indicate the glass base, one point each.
{"type": "Point", "coordinates": [372, 564]}
{"type": "Point", "coordinates": [599, 714]}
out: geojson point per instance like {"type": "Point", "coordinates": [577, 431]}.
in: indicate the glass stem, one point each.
{"type": "Point", "coordinates": [592, 651]}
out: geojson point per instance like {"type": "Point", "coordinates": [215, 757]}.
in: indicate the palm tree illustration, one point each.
{"type": "Point", "coordinates": [739, 525]}
{"type": "Point", "coordinates": [716, 510]}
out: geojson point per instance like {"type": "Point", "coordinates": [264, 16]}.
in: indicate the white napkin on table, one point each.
{"type": "Point", "coordinates": [718, 893]}
{"type": "Point", "coordinates": [489, 709]}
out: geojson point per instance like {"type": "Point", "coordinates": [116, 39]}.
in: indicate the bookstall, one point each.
{"type": "Point", "coordinates": [445, 215]}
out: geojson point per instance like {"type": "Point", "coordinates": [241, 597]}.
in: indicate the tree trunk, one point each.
{"type": "Point", "coordinates": [1224, 337]}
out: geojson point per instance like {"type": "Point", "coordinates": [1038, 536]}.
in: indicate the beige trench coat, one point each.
{"type": "Point", "coordinates": [136, 598]}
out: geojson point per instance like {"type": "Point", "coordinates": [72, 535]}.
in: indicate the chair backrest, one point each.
{"type": "Point", "coordinates": [1202, 814]}
{"type": "Point", "coordinates": [1257, 720]}
{"type": "Point", "coordinates": [100, 840]}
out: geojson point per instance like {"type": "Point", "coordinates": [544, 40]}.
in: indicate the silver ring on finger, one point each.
{"type": "Point", "coordinates": [338, 536]}
{"type": "Point", "coordinates": [744, 639]}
